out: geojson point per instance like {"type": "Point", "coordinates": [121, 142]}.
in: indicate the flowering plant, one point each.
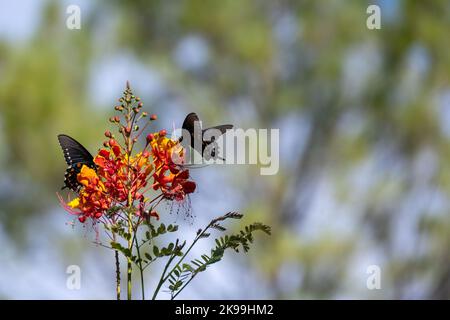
{"type": "Point", "coordinates": [121, 191]}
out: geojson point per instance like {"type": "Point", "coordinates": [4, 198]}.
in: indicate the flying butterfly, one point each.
{"type": "Point", "coordinates": [192, 124]}
{"type": "Point", "coordinates": [76, 156]}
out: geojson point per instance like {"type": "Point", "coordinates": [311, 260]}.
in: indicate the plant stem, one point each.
{"type": "Point", "coordinates": [129, 200]}
{"type": "Point", "coordinates": [141, 270]}
{"type": "Point", "coordinates": [116, 254]}
{"type": "Point", "coordinates": [130, 247]}
{"type": "Point", "coordinates": [162, 280]}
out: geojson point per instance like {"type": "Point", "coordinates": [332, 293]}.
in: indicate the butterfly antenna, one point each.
{"type": "Point", "coordinates": [195, 166]}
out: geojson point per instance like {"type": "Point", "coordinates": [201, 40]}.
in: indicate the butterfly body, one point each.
{"type": "Point", "coordinates": [76, 156]}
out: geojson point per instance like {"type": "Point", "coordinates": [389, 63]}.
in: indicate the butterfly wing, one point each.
{"type": "Point", "coordinates": [222, 128]}
{"type": "Point", "coordinates": [212, 152]}
{"type": "Point", "coordinates": [76, 156]}
{"type": "Point", "coordinates": [190, 123]}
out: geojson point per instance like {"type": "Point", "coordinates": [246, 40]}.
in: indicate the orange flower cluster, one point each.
{"type": "Point", "coordinates": [121, 180]}
{"type": "Point", "coordinates": [168, 176]}
{"type": "Point", "coordinates": [91, 201]}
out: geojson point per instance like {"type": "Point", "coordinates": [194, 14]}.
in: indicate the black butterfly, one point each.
{"type": "Point", "coordinates": [76, 156]}
{"type": "Point", "coordinates": [191, 122]}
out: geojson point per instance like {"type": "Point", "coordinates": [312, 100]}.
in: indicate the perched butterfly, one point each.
{"type": "Point", "coordinates": [192, 124]}
{"type": "Point", "coordinates": [76, 156]}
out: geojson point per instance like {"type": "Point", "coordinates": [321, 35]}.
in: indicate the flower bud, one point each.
{"type": "Point", "coordinates": [138, 99]}
{"type": "Point", "coordinates": [116, 119]}
{"type": "Point", "coordinates": [108, 134]}
{"type": "Point", "coordinates": [150, 137]}
{"type": "Point", "coordinates": [154, 214]}
{"type": "Point", "coordinates": [144, 114]}
{"type": "Point", "coordinates": [127, 131]}
{"type": "Point", "coordinates": [162, 133]}
{"type": "Point", "coordinates": [112, 142]}
{"type": "Point", "coordinates": [140, 104]}
{"type": "Point", "coordinates": [153, 117]}
{"type": "Point", "coordinates": [106, 144]}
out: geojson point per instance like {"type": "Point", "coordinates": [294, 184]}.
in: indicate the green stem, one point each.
{"type": "Point", "coordinates": [116, 254]}
{"type": "Point", "coordinates": [129, 200]}
{"type": "Point", "coordinates": [141, 270]}
{"type": "Point", "coordinates": [161, 280]}
{"type": "Point", "coordinates": [129, 266]}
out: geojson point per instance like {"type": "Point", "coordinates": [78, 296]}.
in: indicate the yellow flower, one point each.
{"type": "Point", "coordinates": [75, 203]}
{"type": "Point", "coordinates": [87, 175]}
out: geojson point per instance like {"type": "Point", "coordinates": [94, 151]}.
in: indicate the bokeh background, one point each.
{"type": "Point", "coordinates": [364, 119]}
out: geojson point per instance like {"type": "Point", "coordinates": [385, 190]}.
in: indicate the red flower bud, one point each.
{"type": "Point", "coordinates": [127, 131]}
{"type": "Point", "coordinates": [108, 134]}
{"type": "Point", "coordinates": [112, 142]}
{"type": "Point", "coordinates": [106, 144]}
{"type": "Point", "coordinates": [104, 153]}
{"type": "Point", "coordinates": [150, 137]}
{"type": "Point", "coordinates": [153, 117]}
{"type": "Point", "coordinates": [140, 104]}
{"type": "Point", "coordinates": [138, 196]}
{"type": "Point", "coordinates": [116, 119]}
{"type": "Point", "coordinates": [154, 214]}
{"type": "Point", "coordinates": [82, 219]}
{"type": "Point", "coordinates": [189, 187]}
{"type": "Point", "coordinates": [162, 133]}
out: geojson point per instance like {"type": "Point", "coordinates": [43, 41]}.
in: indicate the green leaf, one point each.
{"type": "Point", "coordinates": [187, 267]}
{"type": "Point", "coordinates": [161, 229]}
{"type": "Point", "coordinates": [148, 256]}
